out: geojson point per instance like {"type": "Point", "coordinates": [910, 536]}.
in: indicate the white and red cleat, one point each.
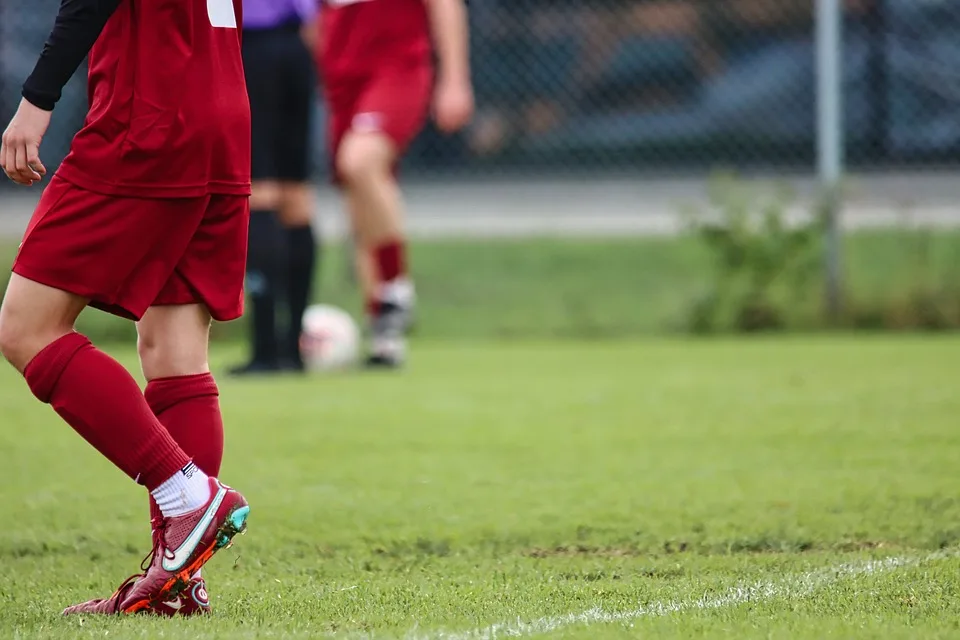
{"type": "Point", "coordinates": [182, 545]}
{"type": "Point", "coordinates": [194, 601]}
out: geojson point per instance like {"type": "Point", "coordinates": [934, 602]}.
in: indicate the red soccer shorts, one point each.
{"type": "Point", "coordinates": [128, 254]}
{"type": "Point", "coordinates": [393, 100]}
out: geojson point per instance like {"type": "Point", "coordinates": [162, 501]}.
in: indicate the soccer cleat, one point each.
{"type": "Point", "coordinates": [255, 368]}
{"type": "Point", "coordinates": [183, 545]}
{"type": "Point", "coordinates": [104, 606]}
{"type": "Point", "coordinates": [389, 325]}
{"type": "Point", "coordinates": [193, 601]}
{"type": "Point", "coordinates": [292, 365]}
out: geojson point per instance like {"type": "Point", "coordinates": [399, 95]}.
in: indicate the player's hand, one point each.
{"type": "Point", "coordinates": [452, 105]}
{"type": "Point", "coordinates": [20, 148]}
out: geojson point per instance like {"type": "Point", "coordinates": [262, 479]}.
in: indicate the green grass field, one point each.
{"type": "Point", "coordinates": [616, 288]}
{"type": "Point", "coordinates": [803, 487]}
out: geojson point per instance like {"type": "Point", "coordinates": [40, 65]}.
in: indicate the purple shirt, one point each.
{"type": "Point", "coordinates": [264, 14]}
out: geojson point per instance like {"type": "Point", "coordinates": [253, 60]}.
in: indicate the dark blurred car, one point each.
{"type": "Point", "coordinates": [617, 83]}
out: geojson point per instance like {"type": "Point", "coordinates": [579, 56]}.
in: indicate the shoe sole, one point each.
{"type": "Point", "coordinates": [235, 523]}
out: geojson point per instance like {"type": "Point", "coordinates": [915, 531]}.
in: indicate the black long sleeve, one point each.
{"type": "Point", "coordinates": [78, 26]}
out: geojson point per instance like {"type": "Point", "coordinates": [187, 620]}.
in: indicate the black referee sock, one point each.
{"type": "Point", "coordinates": [302, 258]}
{"type": "Point", "coordinates": [264, 273]}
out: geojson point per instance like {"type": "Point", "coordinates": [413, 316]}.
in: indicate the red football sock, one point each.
{"type": "Point", "coordinates": [103, 403]}
{"type": "Point", "coordinates": [189, 408]}
{"type": "Point", "coordinates": [391, 260]}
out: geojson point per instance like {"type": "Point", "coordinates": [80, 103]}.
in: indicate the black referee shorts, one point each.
{"type": "Point", "coordinates": [280, 80]}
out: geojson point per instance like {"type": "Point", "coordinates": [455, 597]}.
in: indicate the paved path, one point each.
{"type": "Point", "coordinates": [603, 207]}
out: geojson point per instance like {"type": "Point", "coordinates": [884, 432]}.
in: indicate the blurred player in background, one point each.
{"type": "Point", "coordinates": [277, 38]}
{"type": "Point", "coordinates": [146, 218]}
{"type": "Point", "coordinates": [377, 67]}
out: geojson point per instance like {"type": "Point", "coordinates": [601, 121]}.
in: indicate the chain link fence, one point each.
{"type": "Point", "coordinates": [682, 85]}
{"type": "Point", "coordinates": [688, 84]}
{"type": "Point", "coordinates": [23, 29]}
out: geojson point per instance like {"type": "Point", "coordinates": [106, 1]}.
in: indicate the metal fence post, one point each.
{"type": "Point", "coordinates": [829, 24]}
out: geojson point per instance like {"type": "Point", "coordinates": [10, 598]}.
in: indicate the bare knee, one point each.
{"type": "Point", "coordinates": [33, 316]}
{"type": "Point", "coordinates": [172, 341]}
{"type": "Point", "coordinates": [364, 158]}
{"type": "Point", "coordinates": [16, 339]}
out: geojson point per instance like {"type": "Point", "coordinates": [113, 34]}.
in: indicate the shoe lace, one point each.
{"type": "Point", "coordinates": [127, 582]}
{"type": "Point", "coordinates": [159, 526]}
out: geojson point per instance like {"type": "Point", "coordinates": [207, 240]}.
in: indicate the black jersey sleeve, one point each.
{"type": "Point", "coordinates": [77, 27]}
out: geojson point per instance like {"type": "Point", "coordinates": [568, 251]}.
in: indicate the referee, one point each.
{"type": "Point", "coordinates": [278, 37]}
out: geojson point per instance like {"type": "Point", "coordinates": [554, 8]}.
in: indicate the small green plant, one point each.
{"type": "Point", "coordinates": [763, 263]}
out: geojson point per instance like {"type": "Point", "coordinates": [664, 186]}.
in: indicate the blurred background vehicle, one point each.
{"type": "Point", "coordinates": [680, 84]}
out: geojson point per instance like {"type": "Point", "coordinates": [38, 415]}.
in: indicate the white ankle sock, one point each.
{"type": "Point", "coordinates": [399, 291]}
{"type": "Point", "coordinates": [185, 491]}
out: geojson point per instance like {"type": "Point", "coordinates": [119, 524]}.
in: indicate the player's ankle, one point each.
{"type": "Point", "coordinates": [398, 292]}
{"type": "Point", "coordinates": [185, 491]}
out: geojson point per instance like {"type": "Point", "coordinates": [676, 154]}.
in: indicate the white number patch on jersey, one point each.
{"type": "Point", "coordinates": [222, 14]}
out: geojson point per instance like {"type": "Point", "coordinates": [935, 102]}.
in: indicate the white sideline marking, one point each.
{"type": "Point", "coordinates": [792, 587]}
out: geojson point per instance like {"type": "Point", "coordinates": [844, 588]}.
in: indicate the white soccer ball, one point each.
{"type": "Point", "coordinates": [330, 339]}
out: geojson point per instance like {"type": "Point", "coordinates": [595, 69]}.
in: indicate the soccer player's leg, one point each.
{"type": "Point", "coordinates": [82, 248]}
{"type": "Point", "coordinates": [297, 200]}
{"type": "Point", "coordinates": [181, 391]}
{"type": "Point", "coordinates": [365, 163]}
{"type": "Point", "coordinates": [387, 117]}
{"type": "Point", "coordinates": [173, 346]}
{"type": "Point", "coordinates": [174, 332]}
{"type": "Point", "coordinates": [367, 276]}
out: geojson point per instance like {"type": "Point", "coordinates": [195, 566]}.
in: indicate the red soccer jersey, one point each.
{"type": "Point", "coordinates": [169, 114]}
{"type": "Point", "coordinates": [358, 36]}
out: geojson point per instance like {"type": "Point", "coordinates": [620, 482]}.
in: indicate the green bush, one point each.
{"type": "Point", "coordinates": [764, 269]}
{"type": "Point", "coordinates": [766, 272]}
